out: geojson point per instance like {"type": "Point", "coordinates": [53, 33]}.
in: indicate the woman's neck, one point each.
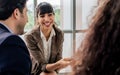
{"type": "Point", "coordinates": [46, 33]}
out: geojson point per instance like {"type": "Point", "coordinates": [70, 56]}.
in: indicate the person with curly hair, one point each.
{"type": "Point", "coordinates": [99, 53]}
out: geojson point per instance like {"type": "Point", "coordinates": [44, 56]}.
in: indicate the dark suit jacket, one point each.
{"type": "Point", "coordinates": [14, 55]}
{"type": "Point", "coordinates": [35, 46]}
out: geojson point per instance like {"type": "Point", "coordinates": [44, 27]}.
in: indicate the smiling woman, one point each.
{"type": "Point", "coordinates": [45, 42]}
{"type": "Point", "coordinates": [56, 8]}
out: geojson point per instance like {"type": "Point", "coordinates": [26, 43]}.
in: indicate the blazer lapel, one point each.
{"type": "Point", "coordinates": [40, 45]}
{"type": "Point", "coordinates": [53, 50]}
{"type": "Point", "coordinates": [38, 39]}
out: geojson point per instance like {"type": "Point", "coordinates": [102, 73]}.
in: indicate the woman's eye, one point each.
{"type": "Point", "coordinates": [49, 14]}
{"type": "Point", "coordinates": [42, 16]}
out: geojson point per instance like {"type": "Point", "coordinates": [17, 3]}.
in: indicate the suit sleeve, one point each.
{"type": "Point", "coordinates": [15, 59]}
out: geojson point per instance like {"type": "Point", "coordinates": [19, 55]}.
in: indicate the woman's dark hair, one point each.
{"type": "Point", "coordinates": [101, 46]}
{"type": "Point", "coordinates": [8, 6]}
{"type": "Point", "coordinates": [43, 8]}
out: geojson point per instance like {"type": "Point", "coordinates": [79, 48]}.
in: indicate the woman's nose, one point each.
{"type": "Point", "coordinates": [47, 18]}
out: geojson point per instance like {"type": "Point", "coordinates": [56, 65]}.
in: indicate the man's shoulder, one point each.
{"type": "Point", "coordinates": [9, 38]}
{"type": "Point", "coordinates": [3, 36]}
{"type": "Point", "coordinates": [14, 51]}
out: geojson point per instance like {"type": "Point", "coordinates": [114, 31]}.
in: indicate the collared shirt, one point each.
{"type": "Point", "coordinates": [6, 27]}
{"type": "Point", "coordinates": [47, 44]}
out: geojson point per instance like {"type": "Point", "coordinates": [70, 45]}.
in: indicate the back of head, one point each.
{"type": "Point", "coordinates": [7, 7]}
{"type": "Point", "coordinates": [44, 8]}
{"type": "Point", "coordinates": [101, 46]}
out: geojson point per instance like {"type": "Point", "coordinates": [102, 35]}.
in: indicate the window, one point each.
{"type": "Point", "coordinates": [30, 24]}
{"type": "Point", "coordinates": [84, 9]}
{"type": "Point", "coordinates": [87, 10]}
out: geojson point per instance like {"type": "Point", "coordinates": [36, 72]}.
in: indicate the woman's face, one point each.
{"type": "Point", "coordinates": [46, 21]}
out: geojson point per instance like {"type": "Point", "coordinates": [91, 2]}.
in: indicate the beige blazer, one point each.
{"type": "Point", "coordinates": [35, 46]}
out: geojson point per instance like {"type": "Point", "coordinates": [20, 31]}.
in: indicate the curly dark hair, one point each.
{"type": "Point", "coordinates": [100, 50]}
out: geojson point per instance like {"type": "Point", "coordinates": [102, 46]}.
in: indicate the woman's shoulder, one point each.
{"type": "Point", "coordinates": [59, 33]}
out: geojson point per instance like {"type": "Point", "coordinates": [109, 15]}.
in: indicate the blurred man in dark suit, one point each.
{"type": "Point", "coordinates": [14, 56]}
